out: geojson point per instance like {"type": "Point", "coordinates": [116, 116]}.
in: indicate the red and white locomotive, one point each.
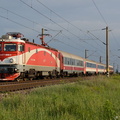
{"type": "Point", "coordinates": [21, 59]}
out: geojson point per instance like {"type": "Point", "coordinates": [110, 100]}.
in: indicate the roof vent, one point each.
{"type": "Point", "coordinates": [6, 37]}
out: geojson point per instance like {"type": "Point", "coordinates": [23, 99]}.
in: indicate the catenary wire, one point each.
{"type": "Point", "coordinates": [52, 21]}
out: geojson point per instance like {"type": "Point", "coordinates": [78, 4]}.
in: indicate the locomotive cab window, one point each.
{"type": "Point", "coordinates": [21, 48]}
{"type": "Point", "coordinates": [10, 47]}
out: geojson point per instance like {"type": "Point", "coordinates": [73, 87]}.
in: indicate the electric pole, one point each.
{"type": "Point", "coordinates": [86, 54]}
{"type": "Point", "coordinates": [107, 53]}
{"type": "Point", "coordinates": [100, 59]}
{"type": "Point", "coordinates": [42, 37]}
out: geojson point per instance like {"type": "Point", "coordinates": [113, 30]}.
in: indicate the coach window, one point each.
{"type": "Point", "coordinates": [65, 60]}
{"type": "Point", "coordinates": [68, 60]}
{"type": "Point", "coordinates": [88, 65]}
{"type": "Point", "coordinates": [72, 61]}
{"type": "Point", "coordinates": [20, 47]}
{"type": "Point", "coordinates": [77, 62]}
{"type": "Point", "coordinates": [9, 47]}
{"type": "Point", "coordinates": [94, 65]}
{"type": "Point", "coordinates": [81, 63]}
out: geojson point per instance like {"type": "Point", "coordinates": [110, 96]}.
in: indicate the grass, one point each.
{"type": "Point", "coordinates": [96, 99]}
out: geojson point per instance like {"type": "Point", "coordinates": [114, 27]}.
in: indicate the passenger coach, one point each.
{"type": "Point", "coordinates": [72, 65]}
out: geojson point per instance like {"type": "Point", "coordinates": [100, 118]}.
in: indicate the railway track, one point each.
{"type": "Point", "coordinates": [16, 86]}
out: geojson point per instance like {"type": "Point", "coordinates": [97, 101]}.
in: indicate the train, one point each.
{"type": "Point", "coordinates": [21, 59]}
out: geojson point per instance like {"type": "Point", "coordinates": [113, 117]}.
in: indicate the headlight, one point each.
{"type": "Point", "coordinates": [11, 60]}
{"type": "Point", "coordinates": [16, 70]}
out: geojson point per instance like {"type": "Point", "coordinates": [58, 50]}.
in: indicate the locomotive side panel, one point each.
{"type": "Point", "coordinates": [41, 59]}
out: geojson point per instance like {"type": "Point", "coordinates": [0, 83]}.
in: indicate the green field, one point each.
{"type": "Point", "coordinates": [96, 99]}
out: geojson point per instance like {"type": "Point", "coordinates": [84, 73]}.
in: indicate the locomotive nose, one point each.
{"type": "Point", "coordinates": [2, 70]}
{"type": "Point", "coordinates": [10, 70]}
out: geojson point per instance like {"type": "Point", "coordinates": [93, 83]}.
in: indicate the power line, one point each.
{"type": "Point", "coordinates": [68, 21]}
{"type": "Point", "coordinates": [104, 20]}
{"type": "Point", "coordinates": [88, 33]}
{"type": "Point", "coordinates": [100, 12]}
{"type": "Point", "coordinates": [29, 27]}
{"type": "Point", "coordinates": [59, 16]}
{"type": "Point", "coordinates": [90, 44]}
{"type": "Point", "coordinates": [97, 38]}
{"type": "Point", "coordinates": [103, 17]}
{"type": "Point", "coordinates": [8, 11]}
{"type": "Point", "coordinates": [50, 19]}
{"type": "Point", "coordinates": [54, 21]}
{"type": "Point", "coordinates": [19, 23]}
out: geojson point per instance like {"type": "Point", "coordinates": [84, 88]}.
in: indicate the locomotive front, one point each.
{"type": "Point", "coordinates": [11, 50]}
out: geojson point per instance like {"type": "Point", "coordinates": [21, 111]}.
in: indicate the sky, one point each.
{"type": "Point", "coordinates": [73, 25]}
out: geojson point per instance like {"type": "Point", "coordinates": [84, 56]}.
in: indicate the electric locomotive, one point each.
{"type": "Point", "coordinates": [21, 59]}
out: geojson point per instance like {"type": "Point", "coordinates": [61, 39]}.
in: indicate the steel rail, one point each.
{"type": "Point", "coordinates": [32, 84]}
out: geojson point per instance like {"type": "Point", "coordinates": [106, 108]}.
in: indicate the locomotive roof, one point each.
{"type": "Point", "coordinates": [16, 37]}
{"type": "Point", "coordinates": [41, 45]}
{"type": "Point", "coordinates": [7, 38]}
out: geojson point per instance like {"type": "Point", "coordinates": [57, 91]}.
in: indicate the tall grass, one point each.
{"type": "Point", "coordinates": [96, 99]}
